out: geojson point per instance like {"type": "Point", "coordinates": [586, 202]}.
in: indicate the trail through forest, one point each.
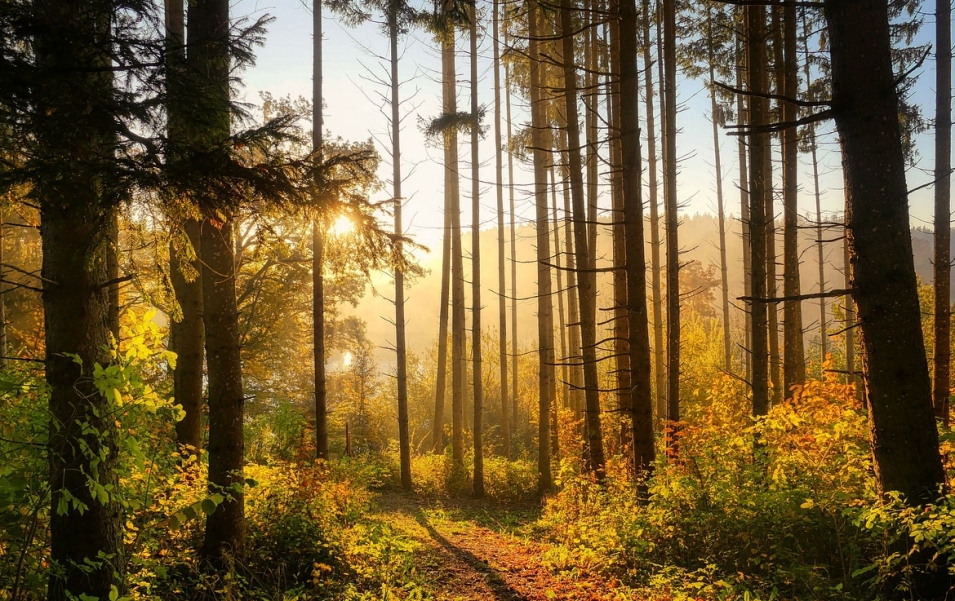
{"type": "Point", "coordinates": [474, 550]}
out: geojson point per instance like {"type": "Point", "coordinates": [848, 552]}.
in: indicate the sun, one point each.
{"type": "Point", "coordinates": [342, 226]}
{"type": "Point", "coordinates": [347, 359]}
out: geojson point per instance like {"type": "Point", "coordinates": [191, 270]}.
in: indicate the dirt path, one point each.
{"type": "Point", "coordinates": [479, 551]}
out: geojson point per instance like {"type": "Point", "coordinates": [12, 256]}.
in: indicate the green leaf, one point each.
{"type": "Point", "coordinates": [209, 506]}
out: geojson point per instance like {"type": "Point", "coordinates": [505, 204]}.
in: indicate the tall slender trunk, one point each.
{"type": "Point", "coordinates": [775, 362]}
{"type": "Point", "coordinates": [208, 31]}
{"type": "Point", "coordinates": [476, 358]}
{"type": "Point", "coordinates": [452, 195]}
{"type": "Point", "coordinates": [501, 273]}
{"type": "Point", "coordinates": [943, 208]}
{"type": "Point", "coordinates": [574, 355]}
{"type": "Point", "coordinates": [641, 399]}
{"type": "Point", "coordinates": [513, 213]}
{"type": "Point", "coordinates": [742, 116]}
{"type": "Point", "coordinates": [850, 310]}
{"type": "Point", "coordinates": [3, 289]}
{"type": "Point", "coordinates": [656, 284]}
{"type": "Point", "coordinates": [720, 213]}
{"type": "Point", "coordinates": [562, 391]}
{"type": "Point", "coordinates": [404, 440]}
{"type": "Point", "coordinates": [545, 317]}
{"type": "Point", "coordinates": [620, 329]}
{"type": "Point", "coordinates": [318, 248]}
{"type": "Point", "coordinates": [820, 249]}
{"type": "Point", "coordinates": [672, 220]}
{"type": "Point", "coordinates": [759, 147]}
{"type": "Point", "coordinates": [794, 368]}
{"type": "Point", "coordinates": [187, 336]}
{"type": "Point", "coordinates": [441, 385]}
{"type": "Point", "coordinates": [591, 100]}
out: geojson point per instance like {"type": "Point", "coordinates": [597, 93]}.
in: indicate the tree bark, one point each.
{"type": "Point", "coordinates": [501, 271]}
{"type": "Point", "coordinates": [672, 221]}
{"type": "Point", "coordinates": [902, 424]}
{"type": "Point", "coordinates": [943, 208]}
{"type": "Point", "coordinates": [75, 139]}
{"type": "Point", "coordinates": [404, 439]}
{"type": "Point", "coordinates": [208, 31]}
{"type": "Point", "coordinates": [656, 284]}
{"type": "Point", "coordinates": [742, 116]}
{"type": "Point", "coordinates": [452, 192]}
{"type": "Point", "coordinates": [440, 387]}
{"type": "Point", "coordinates": [513, 213]}
{"type": "Point", "coordinates": [794, 357]}
{"type": "Point", "coordinates": [586, 279]}
{"type": "Point", "coordinates": [112, 274]}
{"type": "Point", "coordinates": [638, 339]}
{"type": "Point", "coordinates": [759, 147]}
{"type": "Point", "coordinates": [318, 248]}
{"type": "Point", "coordinates": [545, 316]}
{"type": "Point", "coordinates": [476, 358]}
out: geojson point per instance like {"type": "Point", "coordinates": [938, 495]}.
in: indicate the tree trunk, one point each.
{"type": "Point", "coordinates": [75, 139]}
{"type": "Point", "coordinates": [441, 385]}
{"type": "Point", "coordinates": [318, 248]}
{"type": "Point", "coordinates": [510, 192]}
{"type": "Point", "coordinates": [794, 357]}
{"type": "Point", "coordinates": [744, 217]}
{"type": "Point", "coordinates": [3, 289]}
{"type": "Point", "coordinates": [759, 191]}
{"type": "Point", "coordinates": [672, 221]}
{"type": "Point", "coordinates": [821, 257]}
{"type": "Point", "coordinates": [186, 336]}
{"type": "Point", "coordinates": [560, 392]}
{"type": "Point", "coordinates": [208, 30]}
{"type": "Point", "coordinates": [943, 209]}
{"type": "Point", "coordinates": [476, 359]}
{"type": "Point", "coordinates": [458, 372]}
{"type": "Point", "coordinates": [501, 272]}
{"type": "Point", "coordinates": [656, 284]}
{"type": "Point", "coordinates": [404, 439]}
{"type": "Point", "coordinates": [902, 424]}
{"type": "Point", "coordinates": [545, 317]}
{"type": "Point", "coordinates": [586, 279]}
{"type": "Point", "coordinates": [720, 214]}
{"type": "Point", "coordinates": [640, 395]}
{"type": "Point", "coordinates": [188, 339]}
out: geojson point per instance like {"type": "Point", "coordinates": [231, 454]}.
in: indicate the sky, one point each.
{"type": "Point", "coordinates": [355, 63]}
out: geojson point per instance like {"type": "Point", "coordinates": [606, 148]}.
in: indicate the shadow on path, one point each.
{"type": "Point", "coordinates": [502, 591]}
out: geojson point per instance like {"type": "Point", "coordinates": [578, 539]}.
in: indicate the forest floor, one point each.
{"type": "Point", "coordinates": [475, 550]}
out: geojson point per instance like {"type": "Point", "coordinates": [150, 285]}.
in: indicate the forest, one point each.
{"type": "Point", "coordinates": [231, 369]}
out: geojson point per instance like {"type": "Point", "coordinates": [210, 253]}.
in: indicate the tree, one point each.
{"type": "Point", "coordinates": [943, 209]}
{"type": "Point", "coordinates": [502, 272]}
{"type": "Point", "coordinates": [186, 334]}
{"type": "Point", "coordinates": [902, 426]}
{"type": "Point", "coordinates": [74, 122]}
{"type": "Point", "coordinates": [672, 219]}
{"type": "Point", "coordinates": [476, 359]}
{"type": "Point", "coordinates": [758, 193]}
{"type": "Point", "coordinates": [208, 130]}
{"type": "Point", "coordinates": [318, 247]}
{"type": "Point", "coordinates": [545, 316]}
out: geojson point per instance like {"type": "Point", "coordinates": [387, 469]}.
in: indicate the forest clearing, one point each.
{"type": "Point", "coordinates": [589, 300]}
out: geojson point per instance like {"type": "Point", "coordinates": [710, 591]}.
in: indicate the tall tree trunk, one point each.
{"type": "Point", "coordinates": [187, 336]}
{"type": "Point", "coordinates": [545, 316]}
{"type": "Point", "coordinates": [404, 440]}
{"type": "Point", "coordinates": [745, 218]}
{"type": "Point", "coordinates": [562, 391]}
{"type": "Point", "coordinates": [943, 208]}
{"type": "Point", "coordinates": [441, 384]}
{"type": "Point", "coordinates": [672, 220]}
{"type": "Point", "coordinates": [620, 329]}
{"type": "Point", "coordinates": [318, 248]}
{"type": "Point", "coordinates": [656, 284]}
{"type": "Point", "coordinates": [820, 248]}
{"type": "Point", "coordinates": [452, 196]}
{"type": "Point", "coordinates": [850, 309]}
{"type": "Point", "coordinates": [772, 309]}
{"type": "Point", "coordinates": [574, 355]}
{"type": "Point", "coordinates": [72, 209]}
{"type": "Point", "coordinates": [902, 424]}
{"type": "Point", "coordinates": [208, 30]}
{"type": "Point", "coordinates": [513, 213]}
{"type": "Point", "coordinates": [759, 191]}
{"type": "Point", "coordinates": [501, 272]}
{"type": "Point", "coordinates": [3, 289]}
{"type": "Point", "coordinates": [476, 358]}
{"type": "Point", "coordinates": [591, 112]}
{"type": "Point", "coordinates": [720, 214]}
{"type": "Point", "coordinates": [586, 278]}
{"type": "Point", "coordinates": [641, 399]}
{"type": "Point", "coordinates": [794, 356]}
